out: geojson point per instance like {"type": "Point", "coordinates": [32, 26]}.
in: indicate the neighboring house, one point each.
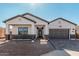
{"type": "Point", "coordinates": [28, 26]}
{"type": "Point", "coordinates": [2, 33]}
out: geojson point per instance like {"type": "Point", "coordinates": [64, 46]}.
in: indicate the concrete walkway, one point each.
{"type": "Point", "coordinates": [3, 41]}
{"type": "Point", "coordinates": [56, 53]}
{"type": "Point", "coordinates": [64, 52]}
{"type": "Point", "coordinates": [72, 53]}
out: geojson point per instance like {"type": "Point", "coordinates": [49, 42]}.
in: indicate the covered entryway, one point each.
{"type": "Point", "coordinates": [40, 32]}
{"type": "Point", "coordinates": [40, 29]}
{"type": "Point", "coordinates": [59, 33]}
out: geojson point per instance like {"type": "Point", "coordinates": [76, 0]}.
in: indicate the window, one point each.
{"type": "Point", "coordinates": [23, 30]}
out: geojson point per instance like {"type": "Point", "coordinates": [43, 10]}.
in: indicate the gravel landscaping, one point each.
{"type": "Point", "coordinates": [28, 48]}
{"type": "Point", "coordinates": [24, 48]}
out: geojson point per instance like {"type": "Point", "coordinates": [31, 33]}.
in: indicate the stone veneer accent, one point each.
{"type": "Point", "coordinates": [8, 37]}
{"type": "Point", "coordinates": [46, 37]}
{"type": "Point", "coordinates": [72, 36]}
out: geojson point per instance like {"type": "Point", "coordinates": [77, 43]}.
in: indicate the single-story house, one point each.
{"type": "Point", "coordinates": [27, 26]}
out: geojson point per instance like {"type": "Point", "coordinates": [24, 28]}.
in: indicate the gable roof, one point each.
{"type": "Point", "coordinates": [34, 16]}
{"type": "Point", "coordinates": [64, 20]}
{"type": "Point", "coordinates": [18, 16]}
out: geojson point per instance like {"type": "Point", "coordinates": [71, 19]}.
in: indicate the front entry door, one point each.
{"type": "Point", "coordinates": [40, 32]}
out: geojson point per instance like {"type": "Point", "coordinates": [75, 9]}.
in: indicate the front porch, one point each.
{"type": "Point", "coordinates": [25, 32]}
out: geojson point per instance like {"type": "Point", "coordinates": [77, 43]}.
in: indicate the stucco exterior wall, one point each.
{"type": "Point", "coordinates": [21, 21]}
{"type": "Point", "coordinates": [35, 19]}
{"type": "Point", "coordinates": [40, 22]}
{"type": "Point", "coordinates": [15, 29]}
{"type": "Point", "coordinates": [61, 24]}
{"type": "Point", "coordinates": [46, 30]}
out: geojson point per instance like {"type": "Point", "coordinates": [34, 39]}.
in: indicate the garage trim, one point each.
{"type": "Point", "coordinates": [61, 29]}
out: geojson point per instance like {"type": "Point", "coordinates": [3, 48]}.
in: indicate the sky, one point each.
{"type": "Point", "coordinates": [47, 11]}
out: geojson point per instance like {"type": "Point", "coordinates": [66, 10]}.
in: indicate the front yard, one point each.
{"type": "Point", "coordinates": [24, 48]}
{"type": "Point", "coordinates": [28, 48]}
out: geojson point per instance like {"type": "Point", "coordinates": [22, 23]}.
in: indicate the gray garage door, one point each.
{"type": "Point", "coordinates": [59, 33]}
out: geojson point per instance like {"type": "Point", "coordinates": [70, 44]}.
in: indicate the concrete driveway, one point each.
{"type": "Point", "coordinates": [64, 52]}
{"type": "Point", "coordinates": [64, 48]}
{"type": "Point", "coordinates": [66, 44]}
{"type": "Point", "coordinates": [56, 53]}
{"type": "Point", "coordinates": [24, 48]}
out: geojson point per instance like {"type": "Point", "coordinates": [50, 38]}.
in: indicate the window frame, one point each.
{"type": "Point", "coordinates": [20, 30]}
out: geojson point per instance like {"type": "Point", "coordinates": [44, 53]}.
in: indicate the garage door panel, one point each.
{"type": "Point", "coordinates": [59, 33]}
